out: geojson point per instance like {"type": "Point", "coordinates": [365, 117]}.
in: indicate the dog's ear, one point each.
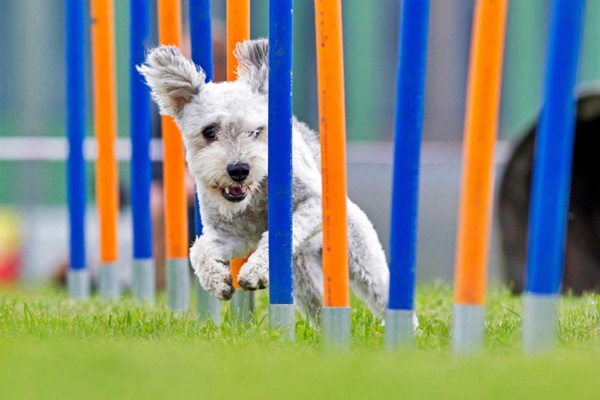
{"type": "Point", "coordinates": [253, 64]}
{"type": "Point", "coordinates": [174, 79]}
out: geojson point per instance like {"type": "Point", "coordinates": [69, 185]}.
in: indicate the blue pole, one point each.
{"type": "Point", "coordinates": [281, 311]}
{"type": "Point", "coordinates": [202, 54]}
{"type": "Point", "coordinates": [76, 52]}
{"type": "Point", "coordinates": [552, 174]}
{"type": "Point", "coordinates": [554, 151]}
{"type": "Point", "coordinates": [201, 36]}
{"type": "Point", "coordinates": [141, 126]}
{"type": "Point", "coordinates": [410, 93]}
{"type": "Point", "coordinates": [141, 168]}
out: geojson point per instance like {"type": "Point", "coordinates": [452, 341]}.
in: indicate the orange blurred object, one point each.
{"type": "Point", "coordinates": [105, 125]}
{"type": "Point", "coordinates": [235, 265]}
{"type": "Point", "coordinates": [11, 252]}
{"type": "Point", "coordinates": [238, 30]}
{"type": "Point", "coordinates": [175, 198]}
{"type": "Point", "coordinates": [332, 125]}
{"type": "Point", "coordinates": [481, 125]}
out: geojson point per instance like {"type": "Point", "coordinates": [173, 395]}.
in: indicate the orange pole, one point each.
{"type": "Point", "coordinates": [105, 125]}
{"type": "Point", "coordinates": [235, 265]}
{"type": "Point", "coordinates": [481, 124]}
{"type": "Point", "coordinates": [332, 124]}
{"type": "Point", "coordinates": [176, 234]}
{"type": "Point", "coordinates": [238, 30]}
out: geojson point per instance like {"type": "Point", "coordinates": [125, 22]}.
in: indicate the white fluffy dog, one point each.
{"type": "Point", "coordinates": [224, 128]}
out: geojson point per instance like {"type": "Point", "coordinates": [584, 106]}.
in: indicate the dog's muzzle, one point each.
{"type": "Point", "coordinates": [238, 172]}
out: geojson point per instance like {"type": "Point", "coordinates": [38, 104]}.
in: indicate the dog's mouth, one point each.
{"type": "Point", "coordinates": [234, 193]}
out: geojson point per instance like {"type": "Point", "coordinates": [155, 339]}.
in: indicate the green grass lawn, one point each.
{"type": "Point", "coordinates": [53, 347]}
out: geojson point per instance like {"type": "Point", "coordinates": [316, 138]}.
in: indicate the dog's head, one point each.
{"type": "Point", "coordinates": [224, 125]}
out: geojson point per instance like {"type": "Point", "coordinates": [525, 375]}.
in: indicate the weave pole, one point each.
{"type": "Point", "coordinates": [176, 241]}
{"type": "Point", "coordinates": [238, 30]}
{"type": "Point", "coordinates": [410, 96]}
{"type": "Point", "coordinates": [76, 22]}
{"type": "Point", "coordinates": [332, 125]}
{"type": "Point", "coordinates": [202, 54]}
{"type": "Point", "coordinates": [144, 280]}
{"type": "Point", "coordinates": [475, 212]}
{"type": "Point", "coordinates": [552, 177]}
{"type": "Point", "coordinates": [105, 126]}
{"type": "Point", "coordinates": [281, 300]}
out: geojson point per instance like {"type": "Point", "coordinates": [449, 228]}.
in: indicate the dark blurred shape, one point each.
{"type": "Point", "coordinates": [582, 251]}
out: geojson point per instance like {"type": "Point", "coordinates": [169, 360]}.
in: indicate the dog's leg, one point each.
{"type": "Point", "coordinates": [369, 273]}
{"type": "Point", "coordinates": [308, 278]}
{"type": "Point", "coordinates": [306, 222]}
{"type": "Point", "coordinates": [254, 274]}
{"type": "Point", "coordinates": [209, 255]}
{"type": "Point", "coordinates": [307, 270]}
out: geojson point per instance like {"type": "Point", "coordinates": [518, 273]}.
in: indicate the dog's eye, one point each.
{"type": "Point", "coordinates": [257, 131]}
{"type": "Point", "coordinates": [210, 132]}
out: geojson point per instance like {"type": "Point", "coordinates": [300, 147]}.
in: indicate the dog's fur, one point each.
{"type": "Point", "coordinates": [236, 113]}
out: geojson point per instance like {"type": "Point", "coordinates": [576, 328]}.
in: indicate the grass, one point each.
{"type": "Point", "coordinates": [53, 347]}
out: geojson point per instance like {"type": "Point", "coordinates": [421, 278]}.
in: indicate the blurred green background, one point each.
{"type": "Point", "coordinates": [32, 71]}
{"type": "Point", "coordinates": [33, 98]}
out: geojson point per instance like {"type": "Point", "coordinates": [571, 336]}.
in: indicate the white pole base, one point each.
{"type": "Point", "coordinates": [399, 329]}
{"type": "Point", "coordinates": [144, 280]}
{"type": "Point", "coordinates": [540, 322]}
{"type": "Point", "coordinates": [282, 318]}
{"type": "Point", "coordinates": [468, 328]}
{"type": "Point", "coordinates": [207, 306]}
{"type": "Point", "coordinates": [178, 284]}
{"type": "Point", "coordinates": [336, 327]}
{"type": "Point", "coordinates": [109, 281]}
{"type": "Point", "coordinates": [242, 305]}
{"type": "Point", "coordinates": [78, 283]}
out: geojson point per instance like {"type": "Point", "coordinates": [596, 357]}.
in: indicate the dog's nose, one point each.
{"type": "Point", "coordinates": [239, 171]}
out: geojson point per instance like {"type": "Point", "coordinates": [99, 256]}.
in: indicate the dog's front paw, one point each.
{"type": "Point", "coordinates": [255, 273]}
{"type": "Point", "coordinates": [215, 278]}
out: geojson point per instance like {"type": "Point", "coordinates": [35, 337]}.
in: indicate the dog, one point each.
{"type": "Point", "coordinates": [225, 130]}
{"type": "Point", "coordinates": [582, 252]}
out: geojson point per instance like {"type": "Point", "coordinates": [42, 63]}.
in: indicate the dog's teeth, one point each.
{"type": "Point", "coordinates": [227, 190]}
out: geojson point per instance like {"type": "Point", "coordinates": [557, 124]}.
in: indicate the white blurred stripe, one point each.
{"type": "Point", "coordinates": [432, 152]}
{"type": "Point", "coordinates": [56, 149]}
